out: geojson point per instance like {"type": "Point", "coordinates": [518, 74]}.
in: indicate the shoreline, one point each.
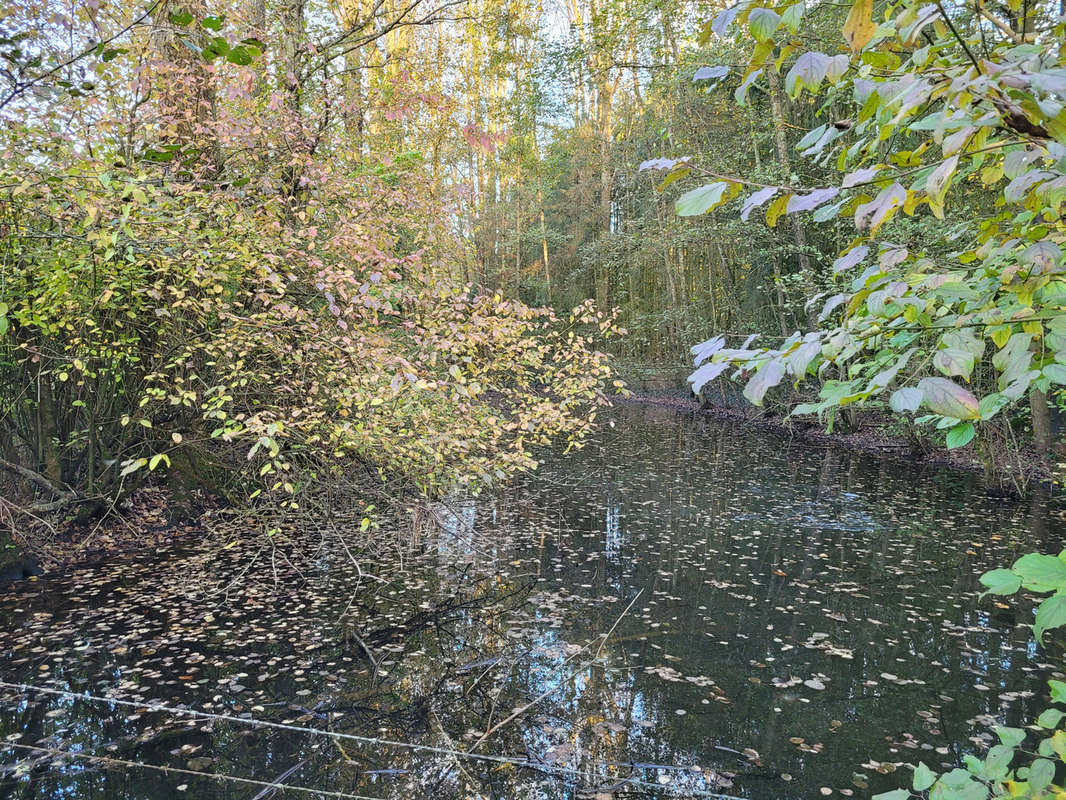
{"type": "Point", "coordinates": [868, 438]}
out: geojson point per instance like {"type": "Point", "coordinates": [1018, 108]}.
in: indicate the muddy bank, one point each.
{"type": "Point", "coordinates": [871, 432]}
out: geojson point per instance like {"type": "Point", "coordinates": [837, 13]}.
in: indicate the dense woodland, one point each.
{"type": "Point", "coordinates": [310, 255]}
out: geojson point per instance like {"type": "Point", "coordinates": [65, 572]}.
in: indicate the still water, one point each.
{"type": "Point", "coordinates": [680, 609]}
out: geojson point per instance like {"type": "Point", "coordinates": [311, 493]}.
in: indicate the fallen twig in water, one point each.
{"type": "Point", "coordinates": [520, 711]}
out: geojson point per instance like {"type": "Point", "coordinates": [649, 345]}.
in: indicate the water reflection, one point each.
{"type": "Point", "coordinates": [801, 620]}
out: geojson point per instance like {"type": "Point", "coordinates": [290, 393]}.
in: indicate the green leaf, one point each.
{"type": "Point", "coordinates": [1041, 573]}
{"type": "Point", "coordinates": [1000, 581]}
{"type": "Point", "coordinates": [953, 361]}
{"type": "Point", "coordinates": [1050, 718]}
{"type": "Point", "coordinates": [1041, 774]}
{"type": "Point", "coordinates": [1050, 614]}
{"type": "Point", "coordinates": [1010, 738]}
{"type": "Point", "coordinates": [907, 399]}
{"type": "Point", "coordinates": [945, 397]}
{"type": "Point", "coordinates": [807, 73]}
{"type": "Point", "coordinates": [923, 778]}
{"type": "Point", "coordinates": [180, 18]}
{"type": "Point", "coordinates": [133, 466]}
{"type": "Point", "coordinates": [1056, 372]}
{"type": "Point", "coordinates": [997, 762]}
{"type": "Point", "coordinates": [762, 22]}
{"type": "Point", "coordinates": [792, 17]}
{"type": "Point", "coordinates": [156, 459]}
{"type": "Point", "coordinates": [960, 435]}
{"type": "Point", "coordinates": [768, 376]}
{"type": "Point", "coordinates": [895, 794]}
{"type": "Point", "coordinates": [701, 200]}
{"type": "Point", "coordinates": [240, 56]}
{"type": "Point", "coordinates": [991, 404]}
{"type": "Point", "coordinates": [1058, 691]}
{"type": "Point", "coordinates": [212, 23]}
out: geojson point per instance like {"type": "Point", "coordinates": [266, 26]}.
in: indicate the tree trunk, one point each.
{"type": "Point", "coordinates": [1038, 405]}
{"type": "Point", "coordinates": [799, 234]}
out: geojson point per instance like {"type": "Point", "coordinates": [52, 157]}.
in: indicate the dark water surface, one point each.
{"type": "Point", "coordinates": [803, 621]}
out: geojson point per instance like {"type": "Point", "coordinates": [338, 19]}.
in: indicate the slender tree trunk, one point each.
{"type": "Point", "coordinates": [799, 234]}
{"type": "Point", "coordinates": [1038, 405]}
{"type": "Point", "coordinates": [544, 249]}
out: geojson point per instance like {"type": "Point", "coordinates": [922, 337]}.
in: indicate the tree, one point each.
{"type": "Point", "coordinates": [929, 105]}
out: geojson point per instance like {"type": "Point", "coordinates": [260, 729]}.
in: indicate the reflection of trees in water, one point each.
{"type": "Point", "coordinates": [759, 562]}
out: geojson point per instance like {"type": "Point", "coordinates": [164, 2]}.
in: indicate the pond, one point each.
{"type": "Point", "coordinates": [679, 609]}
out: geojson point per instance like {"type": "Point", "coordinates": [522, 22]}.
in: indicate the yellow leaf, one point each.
{"type": "Point", "coordinates": [776, 209]}
{"type": "Point", "coordinates": [859, 27]}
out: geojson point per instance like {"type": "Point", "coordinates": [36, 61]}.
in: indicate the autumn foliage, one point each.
{"type": "Point", "coordinates": [201, 277]}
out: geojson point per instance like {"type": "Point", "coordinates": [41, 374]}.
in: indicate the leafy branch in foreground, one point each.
{"type": "Point", "coordinates": [926, 103]}
{"type": "Point", "coordinates": [999, 774]}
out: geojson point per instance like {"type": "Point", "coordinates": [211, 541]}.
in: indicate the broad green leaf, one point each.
{"type": "Point", "coordinates": [953, 361]}
{"type": "Point", "coordinates": [757, 199]}
{"type": "Point", "coordinates": [960, 435]}
{"type": "Point", "coordinates": [767, 376]}
{"type": "Point", "coordinates": [1041, 573]}
{"type": "Point", "coordinates": [874, 214]}
{"type": "Point", "coordinates": [810, 201]}
{"type": "Point", "coordinates": [1041, 774]}
{"type": "Point", "coordinates": [906, 399]}
{"type": "Point", "coordinates": [1055, 372]}
{"type": "Point", "coordinates": [793, 16]}
{"type": "Point", "coordinates": [895, 794]}
{"type": "Point", "coordinates": [850, 259]}
{"type": "Point", "coordinates": [945, 397]}
{"type": "Point", "coordinates": [762, 22]}
{"type": "Point", "coordinates": [701, 200]}
{"type": "Point", "coordinates": [807, 73]}
{"type": "Point", "coordinates": [1000, 581]}
{"type": "Point", "coordinates": [1009, 737]}
{"type": "Point", "coordinates": [1058, 692]}
{"type": "Point", "coordinates": [1050, 614]}
{"type": "Point", "coordinates": [1050, 718]}
{"type": "Point", "coordinates": [707, 373]}
{"type": "Point", "coordinates": [923, 778]}
{"type": "Point", "coordinates": [997, 762]}
{"type": "Point", "coordinates": [800, 358]}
